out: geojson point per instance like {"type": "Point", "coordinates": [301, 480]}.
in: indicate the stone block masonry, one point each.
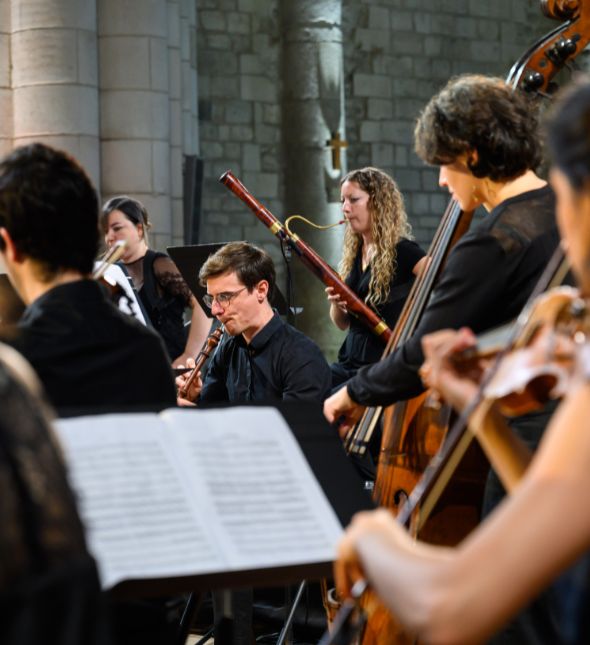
{"type": "Point", "coordinates": [388, 83]}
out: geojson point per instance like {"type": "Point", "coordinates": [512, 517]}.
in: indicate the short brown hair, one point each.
{"type": "Point", "coordinates": [482, 113]}
{"type": "Point", "coordinates": [250, 263]}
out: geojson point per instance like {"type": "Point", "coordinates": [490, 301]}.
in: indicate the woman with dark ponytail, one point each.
{"type": "Point", "coordinates": [162, 291]}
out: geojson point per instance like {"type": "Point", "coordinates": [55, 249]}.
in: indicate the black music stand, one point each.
{"type": "Point", "coordinates": [339, 479]}
{"type": "Point", "coordinates": [190, 259]}
{"type": "Point", "coordinates": [341, 484]}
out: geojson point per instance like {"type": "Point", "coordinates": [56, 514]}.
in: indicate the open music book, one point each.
{"type": "Point", "coordinates": [191, 492]}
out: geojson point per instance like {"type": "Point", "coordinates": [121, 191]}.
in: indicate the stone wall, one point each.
{"type": "Point", "coordinates": [400, 53]}
{"type": "Point", "coordinates": [239, 112]}
{"type": "Point", "coordinates": [54, 77]}
{"type": "Point", "coordinates": [6, 124]}
{"type": "Point", "coordinates": [397, 54]}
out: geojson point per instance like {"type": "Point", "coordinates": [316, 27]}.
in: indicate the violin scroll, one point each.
{"type": "Point", "coordinates": [543, 362]}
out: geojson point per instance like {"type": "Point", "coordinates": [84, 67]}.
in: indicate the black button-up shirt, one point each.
{"type": "Point", "coordinates": [280, 364]}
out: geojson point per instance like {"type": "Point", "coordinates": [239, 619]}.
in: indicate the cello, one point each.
{"type": "Point", "coordinates": [523, 377]}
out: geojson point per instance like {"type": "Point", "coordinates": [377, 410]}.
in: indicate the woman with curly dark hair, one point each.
{"type": "Point", "coordinates": [379, 262]}
{"type": "Point", "coordinates": [484, 137]}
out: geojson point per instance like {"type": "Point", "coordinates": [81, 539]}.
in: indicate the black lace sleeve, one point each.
{"type": "Point", "coordinates": [170, 280]}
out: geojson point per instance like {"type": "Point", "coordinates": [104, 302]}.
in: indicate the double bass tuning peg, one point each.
{"type": "Point", "coordinates": [533, 81]}
{"type": "Point", "coordinates": [562, 50]}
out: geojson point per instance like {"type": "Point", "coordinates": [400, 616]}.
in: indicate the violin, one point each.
{"type": "Point", "coordinates": [209, 345]}
{"type": "Point", "coordinates": [540, 368]}
{"type": "Point", "coordinates": [121, 291]}
{"type": "Point", "coordinates": [114, 254]}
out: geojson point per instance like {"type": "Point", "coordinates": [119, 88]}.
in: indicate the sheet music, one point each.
{"type": "Point", "coordinates": [139, 519]}
{"type": "Point", "coordinates": [268, 507]}
{"type": "Point", "coordinates": [129, 305]}
{"type": "Point", "coordinates": [196, 491]}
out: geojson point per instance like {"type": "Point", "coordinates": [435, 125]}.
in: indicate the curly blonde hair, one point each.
{"type": "Point", "coordinates": [389, 223]}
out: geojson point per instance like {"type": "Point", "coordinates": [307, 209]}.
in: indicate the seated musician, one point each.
{"type": "Point", "coordinates": [484, 137]}
{"type": "Point", "coordinates": [466, 593]}
{"type": "Point", "coordinates": [379, 263]}
{"type": "Point", "coordinates": [162, 290]}
{"type": "Point", "coordinates": [260, 359]}
{"type": "Point", "coordinates": [87, 354]}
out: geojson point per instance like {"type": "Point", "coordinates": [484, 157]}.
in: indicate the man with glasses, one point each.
{"type": "Point", "coordinates": [261, 358]}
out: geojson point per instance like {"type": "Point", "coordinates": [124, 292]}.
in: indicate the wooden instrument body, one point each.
{"type": "Point", "coordinates": [310, 258]}
{"type": "Point", "coordinates": [414, 432]}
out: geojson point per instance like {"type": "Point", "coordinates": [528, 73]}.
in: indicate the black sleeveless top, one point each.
{"type": "Point", "coordinates": [361, 346]}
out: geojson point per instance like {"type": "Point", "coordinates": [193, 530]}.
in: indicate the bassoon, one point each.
{"type": "Point", "coordinates": [354, 305]}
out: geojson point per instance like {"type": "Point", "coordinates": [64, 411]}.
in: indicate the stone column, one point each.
{"type": "Point", "coordinates": [313, 110]}
{"type": "Point", "coordinates": [174, 97]}
{"type": "Point", "coordinates": [5, 80]}
{"type": "Point", "coordinates": [54, 76]}
{"type": "Point", "coordinates": [188, 22]}
{"type": "Point", "coordinates": [135, 108]}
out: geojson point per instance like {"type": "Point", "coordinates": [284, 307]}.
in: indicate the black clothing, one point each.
{"type": "Point", "coordinates": [164, 296]}
{"type": "Point", "coordinates": [49, 589]}
{"type": "Point", "coordinates": [280, 363]}
{"type": "Point", "coordinates": [361, 346]}
{"type": "Point", "coordinates": [488, 278]}
{"type": "Point", "coordinates": [90, 355]}
{"type": "Point", "coordinates": [486, 282]}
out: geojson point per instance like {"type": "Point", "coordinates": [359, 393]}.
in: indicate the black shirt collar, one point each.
{"type": "Point", "coordinates": [264, 335]}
